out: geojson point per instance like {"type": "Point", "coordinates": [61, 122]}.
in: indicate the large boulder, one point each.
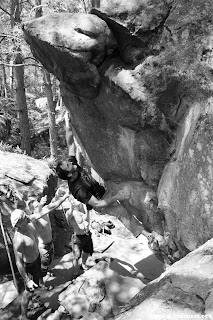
{"type": "Point", "coordinates": [183, 292]}
{"type": "Point", "coordinates": [20, 177]}
{"type": "Point", "coordinates": [144, 112]}
{"type": "Point", "coordinates": [85, 43]}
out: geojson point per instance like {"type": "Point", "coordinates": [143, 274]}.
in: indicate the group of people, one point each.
{"type": "Point", "coordinates": [33, 243]}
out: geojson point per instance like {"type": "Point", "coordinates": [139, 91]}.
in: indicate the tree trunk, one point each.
{"type": "Point", "coordinates": [38, 10]}
{"type": "Point", "coordinates": [22, 104]}
{"type": "Point", "coordinates": [51, 115]}
{"type": "Point", "coordinates": [15, 11]}
{"type": "Point", "coordinates": [84, 5]}
{"type": "Point", "coordinates": [96, 3]}
{"type": "Point", "coordinates": [50, 102]}
{"type": "Point", "coordinates": [4, 81]}
{"type": "Point", "coordinates": [11, 73]}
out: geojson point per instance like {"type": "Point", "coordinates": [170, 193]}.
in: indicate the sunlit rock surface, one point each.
{"type": "Point", "coordinates": [184, 291]}
{"type": "Point", "coordinates": [141, 106]}
{"type": "Point", "coordinates": [77, 40]}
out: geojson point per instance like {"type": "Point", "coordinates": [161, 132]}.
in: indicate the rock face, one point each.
{"type": "Point", "coordinates": [137, 80]}
{"type": "Point", "coordinates": [21, 176]}
{"type": "Point", "coordinates": [86, 41]}
{"type": "Point", "coordinates": [183, 292]}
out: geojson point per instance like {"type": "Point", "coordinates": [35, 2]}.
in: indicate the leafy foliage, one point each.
{"type": "Point", "coordinates": [9, 148]}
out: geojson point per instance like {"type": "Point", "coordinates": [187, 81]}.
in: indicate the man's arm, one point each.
{"type": "Point", "coordinates": [42, 202]}
{"type": "Point", "coordinates": [87, 218]}
{"type": "Point", "coordinates": [50, 207]}
{"type": "Point", "coordinates": [30, 284]}
{"type": "Point", "coordinates": [120, 196]}
{"type": "Point", "coordinates": [69, 136]}
{"type": "Point", "coordinates": [20, 261]}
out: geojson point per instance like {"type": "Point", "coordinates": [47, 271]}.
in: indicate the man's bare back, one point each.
{"type": "Point", "coordinates": [44, 230]}
{"type": "Point", "coordinates": [26, 243]}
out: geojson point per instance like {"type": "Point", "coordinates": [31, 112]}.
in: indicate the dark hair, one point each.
{"type": "Point", "coordinates": [62, 174]}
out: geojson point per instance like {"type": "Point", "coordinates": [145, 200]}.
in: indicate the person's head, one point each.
{"type": "Point", "coordinates": [19, 218]}
{"type": "Point", "coordinates": [32, 204]}
{"type": "Point", "coordinates": [66, 170]}
{"type": "Point", "coordinates": [20, 204]}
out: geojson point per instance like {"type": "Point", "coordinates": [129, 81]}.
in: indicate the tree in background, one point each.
{"type": "Point", "coordinates": [13, 9]}
{"type": "Point", "coordinates": [23, 81]}
{"type": "Point", "coordinates": [51, 104]}
{"type": "Point", "coordinates": [15, 16]}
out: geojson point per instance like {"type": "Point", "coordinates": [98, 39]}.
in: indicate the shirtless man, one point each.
{"type": "Point", "coordinates": [26, 249]}
{"type": "Point", "coordinates": [82, 245]}
{"type": "Point", "coordinates": [25, 245]}
{"type": "Point", "coordinates": [40, 218]}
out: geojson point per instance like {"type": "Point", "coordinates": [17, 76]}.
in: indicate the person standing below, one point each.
{"type": "Point", "coordinates": [29, 240]}
{"type": "Point", "coordinates": [27, 256]}
{"type": "Point", "coordinates": [39, 215]}
{"type": "Point", "coordinates": [81, 243]}
{"type": "Point", "coordinates": [82, 186]}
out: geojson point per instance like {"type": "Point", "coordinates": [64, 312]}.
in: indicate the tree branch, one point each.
{"type": "Point", "coordinates": [20, 64]}
{"type": "Point", "coordinates": [9, 36]}
{"type": "Point", "coordinates": [2, 39]}
{"type": "Point", "coordinates": [36, 7]}
{"type": "Point", "coordinates": [4, 11]}
{"type": "Point", "coordinates": [26, 58]}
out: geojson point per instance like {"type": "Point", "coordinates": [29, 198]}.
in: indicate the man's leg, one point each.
{"type": "Point", "coordinates": [84, 257]}
{"type": "Point", "coordinates": [47, 255]}
{"type": "Point", "coordinates": [44, 261]}
{"type": "Point", "coordinates": [38, 276]}
{"type": "Point", "coordinates": [87, 247]}
{"type": "Point", "coordinates": [76, 257]}
{"type": "Point", "coordinates": [34, 272]}
{"type": "Point", "coordinates": [76, 249]}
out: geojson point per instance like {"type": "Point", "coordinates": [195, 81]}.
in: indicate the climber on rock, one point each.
{"type": "Point", "coordinates": [81, 185]}
{"type": "Point", "coordinates": [86, 189]}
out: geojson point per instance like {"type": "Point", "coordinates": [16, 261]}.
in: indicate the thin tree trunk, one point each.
{"type": "Point", "coordinates": [15, 11]}
{"type": "Point", "coordinates": [4, 81]}
{"type": "Point", "coordinates": [11, 78]}
{"type": "Point", "coordinates": [50, 102]}
{"type": "Point", "coordinates": [96, 3]}
{"type": "Point", "coordinates": [84, 5]}
{"type": "Point", "coordinates": [38, 10]}
{"type": "Point", "coordinates": [51, 115]}
{"type": "Point", "coordinates": [22, 104]}
{"type": "Point", "coordinates": [14, 5]}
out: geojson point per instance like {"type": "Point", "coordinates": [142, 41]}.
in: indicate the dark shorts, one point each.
{"type": "Point", "coordinates": [33, 270]}
{"type": "Point", "coordinates": [47, 254]}
{"type": "Point", "coordinates": [82, 243]}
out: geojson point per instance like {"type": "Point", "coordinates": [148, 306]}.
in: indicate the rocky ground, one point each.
{"type": "Point", "coordinates": [132, 261]}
